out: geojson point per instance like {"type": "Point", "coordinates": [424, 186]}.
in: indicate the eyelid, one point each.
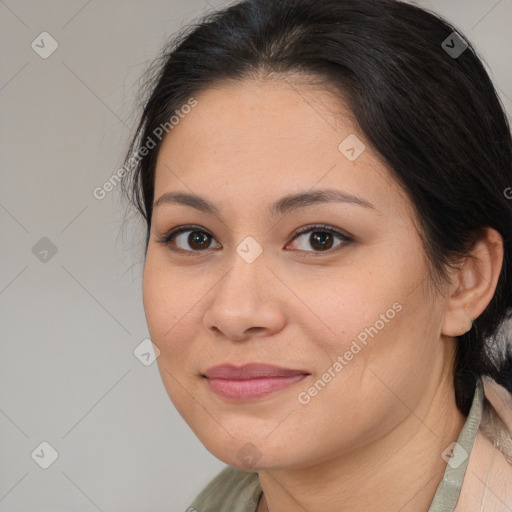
{"type": "Point", "coordinates": [169, 236]}
{"type": "Point", "coordinates": [345, 238]}
{"type": "Point", "coordinates": [322, 227]}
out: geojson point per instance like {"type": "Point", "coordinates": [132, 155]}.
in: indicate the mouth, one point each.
{"type": "Point", "coordinates": [251, 381]}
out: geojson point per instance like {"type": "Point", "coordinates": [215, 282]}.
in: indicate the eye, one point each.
{"type": "Point", "coordinates": [197, 239]}
{"type": "Point", "coordinates": [321, 238]}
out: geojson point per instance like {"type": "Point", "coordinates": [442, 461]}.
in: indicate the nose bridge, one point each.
{"type": "Point", "coordinates": [241, 301]}
{"type": "Point", "coordinates": [247, 269]}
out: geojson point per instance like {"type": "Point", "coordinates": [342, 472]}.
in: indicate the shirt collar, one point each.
{"type": "Point", "coordinates": [457, 457]}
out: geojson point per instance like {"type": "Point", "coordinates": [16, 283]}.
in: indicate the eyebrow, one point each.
{"type": "Point", "coordinates": [282, 206]}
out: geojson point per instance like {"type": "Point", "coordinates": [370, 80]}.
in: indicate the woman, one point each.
{"type": "Point", "coordinates": [328, 257]}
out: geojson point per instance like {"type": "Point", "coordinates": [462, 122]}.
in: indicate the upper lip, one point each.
{"type": "Point", "coordinates": [250, 371]}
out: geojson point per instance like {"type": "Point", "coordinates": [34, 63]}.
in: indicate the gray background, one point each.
{"type": "Point", "coordinates": [70, 321]}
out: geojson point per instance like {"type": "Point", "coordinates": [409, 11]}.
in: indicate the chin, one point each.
{"type": "Point", "coordinates": [253, 455]}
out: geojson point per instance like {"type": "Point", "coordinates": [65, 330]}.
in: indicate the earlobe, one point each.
{"type": "Point", "coordinates": [473, 284]}
{"type": "Point", "coordinates": [456, 323]}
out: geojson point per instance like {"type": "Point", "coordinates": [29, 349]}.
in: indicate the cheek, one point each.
{"type": "Point", "coordinates": [172, 324]}
{"type": "Point", "coordinates": [169, 308]}
{"type": "Point", "coordinates": [357, 301]}
{"type": "Point", "coordinates": [375, 314]}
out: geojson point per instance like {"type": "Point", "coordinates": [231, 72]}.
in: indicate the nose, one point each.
{"type": "Point", "coordinates": [246, 303]}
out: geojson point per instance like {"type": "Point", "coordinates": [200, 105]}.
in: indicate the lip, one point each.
{"type": "Point", "coordinates": [250, 381]}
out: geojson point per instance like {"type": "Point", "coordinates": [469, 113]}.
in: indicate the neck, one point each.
{"type": "Point", "coordinates": [400, 471]}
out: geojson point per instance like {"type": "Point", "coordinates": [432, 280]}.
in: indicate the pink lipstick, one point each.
{"type": "Point", "coordinates": [250, 381]}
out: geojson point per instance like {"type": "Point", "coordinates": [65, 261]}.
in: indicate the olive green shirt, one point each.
{"type": "Point", "coordinates": [233, 490]}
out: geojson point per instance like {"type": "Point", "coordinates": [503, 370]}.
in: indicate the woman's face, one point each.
{"type": "Point", "coordinates": [349, 316]}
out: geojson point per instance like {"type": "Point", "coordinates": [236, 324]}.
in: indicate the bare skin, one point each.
{"type": "Point", "coordinates": [372, 437]}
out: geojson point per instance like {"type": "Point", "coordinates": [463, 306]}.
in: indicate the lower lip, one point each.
{"type": "Point", "coordinates": [251, 389]}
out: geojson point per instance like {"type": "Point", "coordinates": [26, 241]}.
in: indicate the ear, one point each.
{"type": "Point", "coordinates": [473, 284]}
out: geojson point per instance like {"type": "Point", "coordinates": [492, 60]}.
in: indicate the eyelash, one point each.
{"type": "Point", "coordinates": [168, 237]}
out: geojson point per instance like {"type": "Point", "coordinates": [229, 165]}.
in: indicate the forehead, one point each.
{"type": "Point", "coordinates": [239, 116]}
{"type": "Point", "coordinates": [269, 138]}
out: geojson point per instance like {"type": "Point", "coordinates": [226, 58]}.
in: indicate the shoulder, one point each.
{"type": "Point", "coordinates": [496, 424]}
{"type": "Point", "coordinates": [488, 481]}
{"type": "Point", "coordinates": [500, 400]}
{"type": "Point", "coordinates": [232, 490]}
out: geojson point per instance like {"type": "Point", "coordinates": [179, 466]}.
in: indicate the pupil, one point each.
{"type": "Point", "coordinates": [318, 240]}
{"type": "Point", "coordinates": [196, 237]}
